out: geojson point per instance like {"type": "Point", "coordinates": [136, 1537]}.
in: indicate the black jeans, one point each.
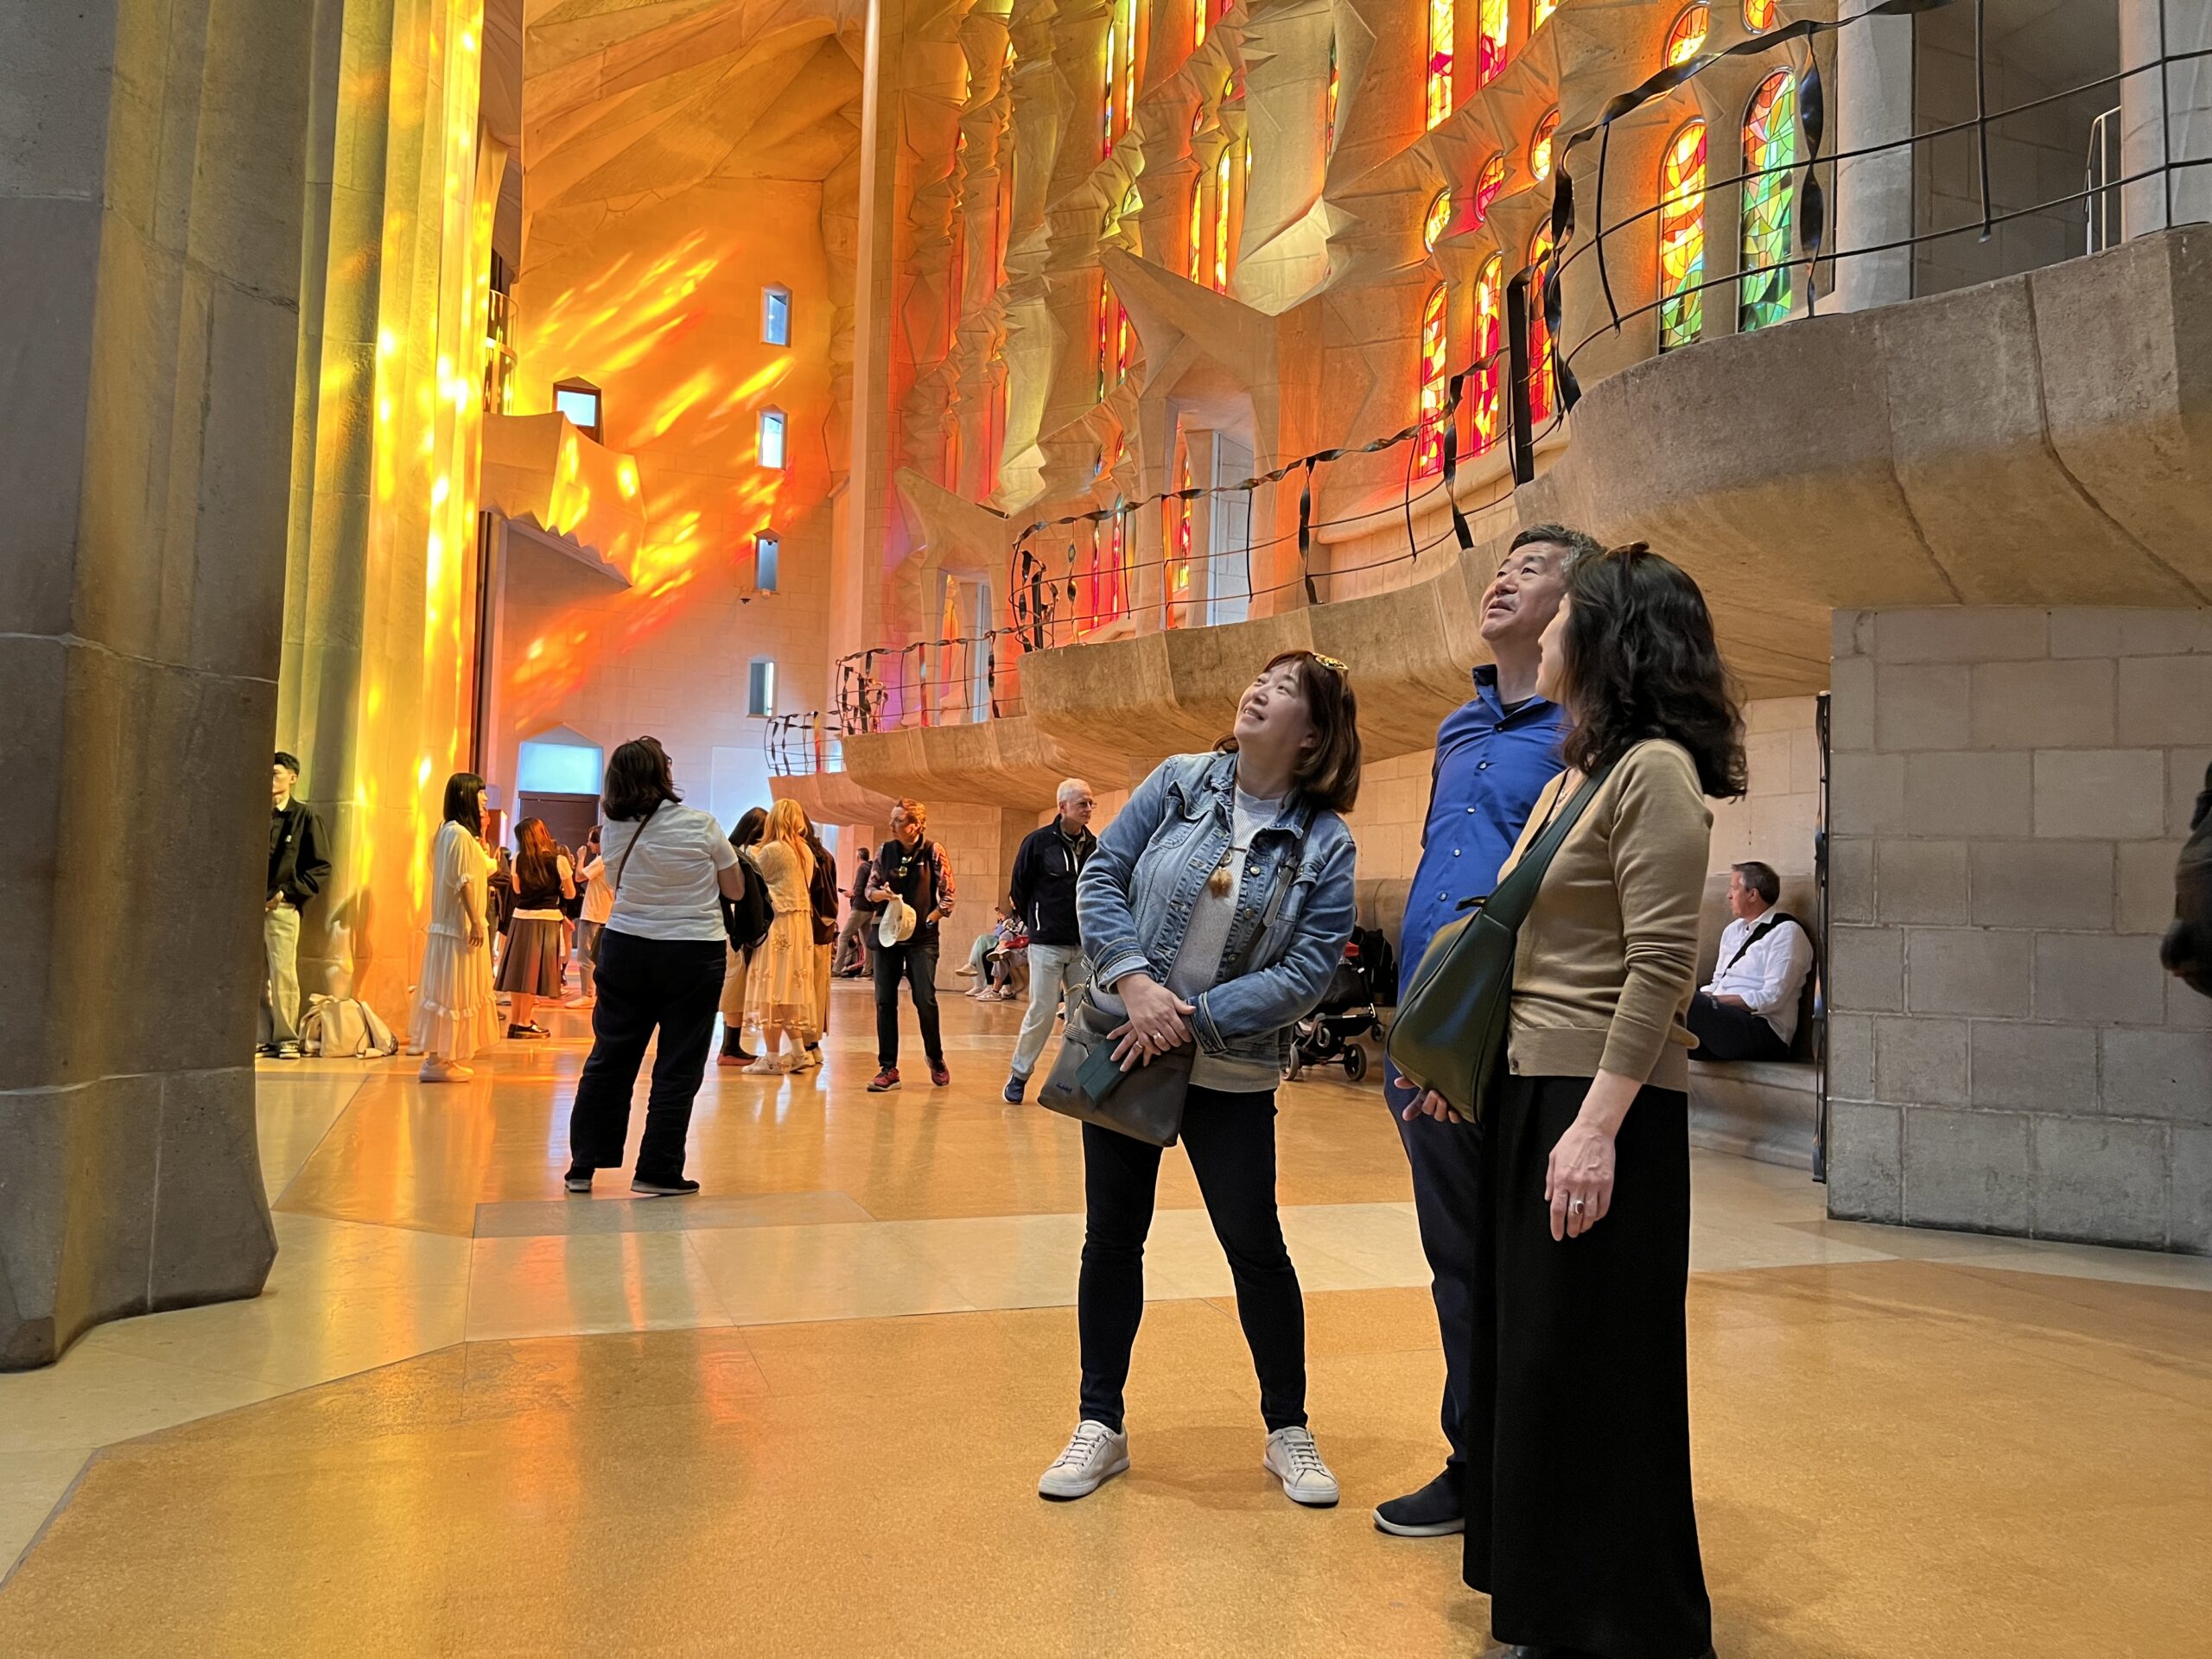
{"type": "Point", "coordinates": [1231, 1141]}
{"type": "Point", "coordinates": [1725, 1033]}
{"type": "Point", "coordinates": [673, 985]}
{"type": "Point", "coordinates": [916, 962]}
{"type": "Point", "coordinates": [1445, 1159]}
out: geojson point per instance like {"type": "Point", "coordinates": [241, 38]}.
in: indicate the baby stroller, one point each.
{"type": "Point", "coordinates": [1345, 1013]}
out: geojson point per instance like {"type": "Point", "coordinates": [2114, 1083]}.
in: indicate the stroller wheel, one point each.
{"type": "Point", "coordinates": [1355, 1061]}
{"type": "Point", "coordinates": [1294, 1065]}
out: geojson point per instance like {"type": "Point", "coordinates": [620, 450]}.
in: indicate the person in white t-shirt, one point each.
{"type": "Point", "coordinates": [1749, 1010]}
{"type": "Point", "coordinates": [660, 968]}
{"type": "Point", "coordinates": [598, 901]}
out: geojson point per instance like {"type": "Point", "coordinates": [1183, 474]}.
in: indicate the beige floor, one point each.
{"type": "Point", "coordinates": [803, 1413]}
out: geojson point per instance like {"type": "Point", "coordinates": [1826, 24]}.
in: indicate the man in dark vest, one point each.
{"type": "Point", "coordinates": [912, 870]}
{"type": "Point", "coordinates": [299, 863]}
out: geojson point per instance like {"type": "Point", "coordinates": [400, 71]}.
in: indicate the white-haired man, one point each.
{"type": "Point", "coordinates": [1044, 872]}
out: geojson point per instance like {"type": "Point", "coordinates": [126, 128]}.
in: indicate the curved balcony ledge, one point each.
{"type": "Point", "coordinates": [2044, 439]}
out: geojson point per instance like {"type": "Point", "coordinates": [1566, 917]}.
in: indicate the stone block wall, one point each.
{"type": "Point", "coordinates": [2011, 787]}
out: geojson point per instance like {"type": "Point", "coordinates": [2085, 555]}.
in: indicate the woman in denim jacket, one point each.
{"type": "Point", "coordinates": [1236, 857]}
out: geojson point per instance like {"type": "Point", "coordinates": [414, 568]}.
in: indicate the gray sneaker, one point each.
{"type": "Point", "coordinates": [1294, 1460]}
{"type": "Point", "coordinates": [1093, 1456]}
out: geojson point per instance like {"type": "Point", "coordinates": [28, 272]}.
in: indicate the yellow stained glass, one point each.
{"type": "Point", "coordinates": [1687, 38]}
{"type": "Point", "coordinates": [1198, 225]}
{"type": "Point", "coordinates": [1440, 60]}
{"type": "Point", "coordinates": [1540, 147]}
{"type": "Point", "coordinates": [1760, 15]}
{"type": "Point", "coordinates": [1435, 375]}
{"type": "Point", "coordinates": [1682, 238]}
{"type": "Point", "coordinates": [1493, 39]}
{"type": "Point", "coordinates": [1223, 172]}
{"type": "Point", "coordinates": [1438, 219]}
{"type": "Point", "coordinates": [1489, 412]}
{"type": "Point", "coordinates": [1540, 14]}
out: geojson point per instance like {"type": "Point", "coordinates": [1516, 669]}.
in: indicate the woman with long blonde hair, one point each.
{"type": "Point", "coordinates": [779, 990]}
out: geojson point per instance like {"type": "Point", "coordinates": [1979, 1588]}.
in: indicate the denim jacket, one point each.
{"type": "Point", "coordinates": [1135, 896]}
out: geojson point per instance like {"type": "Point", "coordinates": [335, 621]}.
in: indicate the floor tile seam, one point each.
{"type": "Point", "coordinates": [53, 1510]}
{"type": "Point", "coordinates": [353, 1097]}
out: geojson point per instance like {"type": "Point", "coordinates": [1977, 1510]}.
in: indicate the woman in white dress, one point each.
{"type": "Point", "coordinates": [779, 994]}
{"type": "Point", "coordinates": [455, 1014]}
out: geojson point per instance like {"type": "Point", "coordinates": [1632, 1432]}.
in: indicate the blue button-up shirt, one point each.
{"type": "Point", "coordinates": [1491, 767]}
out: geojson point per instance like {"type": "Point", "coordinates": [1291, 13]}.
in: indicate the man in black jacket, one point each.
{"type": "Point", "coordinates": [1044, 872]}
{"type": "Point", "coordinates": [853, 939]}
{"type": "Point", "coordinates": [299, 863]}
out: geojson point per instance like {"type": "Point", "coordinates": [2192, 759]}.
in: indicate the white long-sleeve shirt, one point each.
{"type": "Point", "coordinates": [1769, 975]}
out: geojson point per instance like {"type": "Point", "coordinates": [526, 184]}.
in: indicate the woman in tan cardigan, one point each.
{"type": "Point", "coordinates": [1579, 1521]}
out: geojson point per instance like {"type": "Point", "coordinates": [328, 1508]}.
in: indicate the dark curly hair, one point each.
{"type": "Point", "coordinates": [1641, 662]}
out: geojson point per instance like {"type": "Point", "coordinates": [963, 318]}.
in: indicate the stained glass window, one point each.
{"type": "Point", "coordinates": [1435, 376]}
{"type": "Point", "coordinates": [1198, 22]}
{"type": "Point", "coordinates": [1106, 134]}
{"type": "Point", "coordinates": [1489, 383]}
{"type": "Point", "coordinates": [1770, 187]}
{"type": "Point", "coordinates": [1224, 171]}
{"type": "Point", "coordinates": [1543, 380]}
{"type": "Point", "coordinates": [1329, 135]}
{"type": "Point", "coordinates": [1198, 223]}
{"type": "Point", "coordinates": [1487, 185]}
{"type": "Point", "coordinates": [1541, 13]}
{"type": "Point", "coordinates": [1760, 15]}
{"type": "Point", "coordinates": [1105, 327]}
{"type": "Point", "coordinates": [1540, 147]}
{"type": "Point", "coordinates": [1682, 238]}
{"type": "Point", "coordinates": [1440, 60]}
{"type": "Point", "coordinates": [1687, 38]}
{"type": "Point", "coordinates": [1438, 220]}
{"type": "Point", "coordinates": [1179, 536]}
{"type": "Point", "coordinates": [1493, 38]}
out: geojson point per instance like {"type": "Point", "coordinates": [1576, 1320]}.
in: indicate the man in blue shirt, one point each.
{"type": "Point", "coordinates": [1494, 755]}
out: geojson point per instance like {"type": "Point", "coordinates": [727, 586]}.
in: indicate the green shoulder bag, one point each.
{"type": "Point", "coordinates": [1450, 1032]}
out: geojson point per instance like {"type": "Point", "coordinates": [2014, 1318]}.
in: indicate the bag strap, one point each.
{"type": "Point", "coordinates": [1767, 926]}
{"type": "Point", "coordinates": [1511, 901]}
{"type": "Point", "coordinates": [625, 863]}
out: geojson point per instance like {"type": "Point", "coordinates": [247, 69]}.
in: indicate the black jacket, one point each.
{"type": "Point", "coordinates": [822, 893]}
{"type": "Point", "coordinates": [299, 856]}
{"type": "Point", "coordinates": [2188, 947]}
{"type": "Point", "coordinates": [1044, 871]}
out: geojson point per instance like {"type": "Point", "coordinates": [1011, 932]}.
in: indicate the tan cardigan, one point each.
{"type": "Point", "coordinates": [1607, 959]}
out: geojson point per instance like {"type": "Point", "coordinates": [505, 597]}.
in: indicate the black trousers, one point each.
{"type": "Point", "coordinates": [916, 962]}
{"type": "Point", "coordinates": [674, 985]}
{"type": "Point", "coordinates": [1445, 1159]}
{"type": "Point", "coordinates": [1581, 1527]}
{"type": "Point", "coordinates": [1231, 1141]}
{"type": "Point", "coordinates": [1725, 1033]}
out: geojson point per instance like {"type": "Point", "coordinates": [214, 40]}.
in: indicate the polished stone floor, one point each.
{"type": "Point", "coordinates": [803, 1413]}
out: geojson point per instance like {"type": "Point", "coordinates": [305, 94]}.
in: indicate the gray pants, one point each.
{"type": "Point", "coordinates": [1054, 970]}
{"type": "Point", "coordinates": [280, 988]}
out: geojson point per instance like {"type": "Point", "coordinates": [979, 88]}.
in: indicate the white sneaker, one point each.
{"type": "Point", "coordinates": [1296, 1461]}
{"type": "Point", "coordinates": [769, 1066]}
{"type": "Point", "coordinates": [1094, 1457]}
{"type": "Point", "coordinates": [807, 1060]}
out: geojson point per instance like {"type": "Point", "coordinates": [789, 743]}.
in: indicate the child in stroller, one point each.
{"type": "Point", "coordinates": [1364, 980]}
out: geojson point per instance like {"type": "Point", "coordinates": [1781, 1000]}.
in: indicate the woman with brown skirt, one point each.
{"type": "Point", "coordinates": [1581, 1526]}
{"type": "Point", "coordinates": [536, 956]}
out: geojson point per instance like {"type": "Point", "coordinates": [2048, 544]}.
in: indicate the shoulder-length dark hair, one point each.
{"type": "Point", "coordinates": [535, 855]}
{"type": "Point", "coordinates": [752, 828]}
{"type": "Point", "coordinates": [465, 801]}
{"type": "Point", "coordinates": [1642, 663]}
{"type": "Point", "coordinates": [1328, 773]}
{"type": "Point", "coordinates": [638, 779]}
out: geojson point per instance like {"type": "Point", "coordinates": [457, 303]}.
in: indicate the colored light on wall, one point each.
{"type": "Point", "coordinates": [1438, 221]}
{"type": "Point", "coordinates": [1493, 39]}
{"type": "Point", "coordinates": [1682, 238]}
{"type": "Point", "coordinates": [1769, 157]}
{"type": "Point", "coordinates": [1687, 38]}
{"type": "Point", "coordinates": [1440, 60]}
{"type": "Point", "coordinates": [1435, 374]}
{"type": "Point", "coordinates": [1544, 379]}
{"type": "Point", "coordinates": [1540, 147]}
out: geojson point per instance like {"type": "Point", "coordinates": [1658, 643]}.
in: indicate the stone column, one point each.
{"type": "Point", "coordinates": [2179, 100]}
{"type": "Point", "coordinates": [1873, 193]}
{"type": "Point", "coordinates": [151, 170]}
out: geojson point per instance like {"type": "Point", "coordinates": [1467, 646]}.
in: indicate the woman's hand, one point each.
{"type": "Point", "coordinates": [1579, 1181]}
{"type": "Point", "coordinates": [475, 934]}
{"type": "Point", "coordinates": [1159, 1019]}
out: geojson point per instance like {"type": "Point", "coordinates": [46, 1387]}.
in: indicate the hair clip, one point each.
{"type": "Point", "coordinates": [1331, 661]}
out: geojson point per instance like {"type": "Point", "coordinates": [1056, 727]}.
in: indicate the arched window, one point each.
{"type": "Point", "coordinates": [1232, 172]}
{"type": "Point", "coordinates": [1540, 147]}
{"type": "Point", "coordinates": [1435, 376]}
{"type": "Point", "coordinates": [1178, 535]}
{"type": "Point", "coordinates": [1544, 379]}
{"type": "Point", "coordinates": [1682, 238]}
{"type": "Point", "coordinates": [1438, 221]}
{"type": "Point", "coordinates": [1488, 183]}
{"type": "Point", "coordinates": [1440, 60]}
{"type": "Point", "coordinates": [1197, 224]}
{"type": "Point", "coordinates": [1770, 163]}
{"type": "Point", "coordinates": [1687, 38]}
{"type": "Point", "coordinates": [1490, 349]}
{"type": "Point", "coordinates": [1329, 129]}
{"type": "Point", "coordinates": [1760, 15]}
{"type": "Point", "coordinates": [1493, 39]}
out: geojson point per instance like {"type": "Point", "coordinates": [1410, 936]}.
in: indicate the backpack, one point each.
{"type": "Point", "coordinates": [2187, 948]}
{"type": "Point", "coordinates": [345, 1028]}
{"type": "Point", "coordinates": [746, 920]}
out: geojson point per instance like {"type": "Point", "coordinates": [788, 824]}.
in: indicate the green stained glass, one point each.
{"type": "Point", "coordinates": [1770, 194]}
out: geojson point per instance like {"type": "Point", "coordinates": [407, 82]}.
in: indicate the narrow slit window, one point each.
{"type": "Point", "coordinates": [760, 688]}
{"type": "Point", "coordinates": [776, 315]}
{"type": "Point", "coordinates": [771, 438]}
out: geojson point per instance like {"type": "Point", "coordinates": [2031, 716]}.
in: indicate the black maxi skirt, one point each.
{"type": "Point", "coordinates": [1581, 1527]}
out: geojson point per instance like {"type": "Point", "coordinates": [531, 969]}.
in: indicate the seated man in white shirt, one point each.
{"type": "Point", "coordinates": [1749, 1010]}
